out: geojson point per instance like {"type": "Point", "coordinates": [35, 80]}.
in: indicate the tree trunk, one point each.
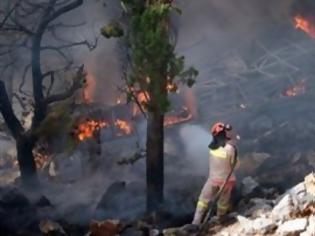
{"type": "Point", "coordinates": [155, 161]}
{"type": "Point", "coordinates": [24, 146]}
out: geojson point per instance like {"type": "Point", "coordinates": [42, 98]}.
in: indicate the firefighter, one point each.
{"type": "Point", "coordinates": [223, 156]}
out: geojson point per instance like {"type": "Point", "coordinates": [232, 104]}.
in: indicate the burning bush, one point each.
{"type": "Point", "coordinates": [88, 128]}
{"type": "Point", "coordinates": [304, 17]}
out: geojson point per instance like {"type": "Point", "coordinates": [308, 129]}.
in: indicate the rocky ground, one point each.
{"type": "Point", "coordinates": [292, 213]}
{"type": "Point", "coordinates": [260, 211]}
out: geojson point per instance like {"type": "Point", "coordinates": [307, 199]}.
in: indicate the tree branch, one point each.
{"type": "Point", "coordinates": [52, 81]}
{"type": "Point", "coordinates": [77, 84]}
{"type": "Point", "coordinates": [24, 75]}
{"type": "Point", "coordinates": [56, 14]}
{"type": "Point", "coordinates": [6, 110]}
{"type": "Point", "coordinates": [9, 14]}
{"type": "Point", "coordinates": [89, 45]}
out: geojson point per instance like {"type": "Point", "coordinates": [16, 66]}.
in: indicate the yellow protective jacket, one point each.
{"type": "Point", "coordinates": [221, 160]}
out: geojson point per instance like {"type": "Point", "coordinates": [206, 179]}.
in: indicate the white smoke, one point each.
{"type": "Point", "coordinates": [196, 140]}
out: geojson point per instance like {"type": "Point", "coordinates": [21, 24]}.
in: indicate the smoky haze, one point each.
{"type": "Point", "coordinates": [207, 30]}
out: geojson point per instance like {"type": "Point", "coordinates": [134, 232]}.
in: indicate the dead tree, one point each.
{"type": "Point", "coordinates": [24, 27]}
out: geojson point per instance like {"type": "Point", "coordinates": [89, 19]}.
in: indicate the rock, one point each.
{"type": "Point", "coordinates": [298, 191]}
{"type": "Point", "coordinates": [311, 225]}
{"type": "Point", "coordinates": [259, 225]}
{"type": "Point", "coordinates": [249, 186]}
{"type": "Point", "coordinates": [283, 209]}
{"type": "Point", "coordinates": [263, 225]}
{"type": "Point", "coordinates": [309, 182]}
{"type": "Point", "coordinates": [105, 228]}
{"type": "Point", "coordinates": [293, 226]}
{"type": "Point", "coordinates": [191, 228]}
{"type": "Point", "coordinates": [258, 207]}
{"type": "Point", "coordinates": [176, 232]}
{"type": "Point", "coordinates": [51, 227]}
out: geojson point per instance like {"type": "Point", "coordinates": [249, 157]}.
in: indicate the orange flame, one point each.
{"type": "Point", "coordinates": [142, 98]}
{"type": "Point", "coordinates": [172, 87]}
{"type": "Point", "coordinates": [305, 25]}
{"type": "Point", "coordinates": [123, 126]}
{"type": "Point", "coordinates": [87, 129]}
{"type": "Point", "coordinates": [298, 89]}
{"type": "Point", "coordinates": [185, 115]}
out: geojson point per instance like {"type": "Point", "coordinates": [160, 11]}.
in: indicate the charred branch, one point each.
{"type": "Point", "coordinates": [90, 46]}
{"type": "Point", "coordinates": [24, 75]}
{"type": "Point", "coordinates": [52, 81]}
{"type": "Point", "coordinates": [6, 110]}
{"type": "Point", "coordinates": [20, 100]}
{"type": "Point", "coordinates": [7, 16]}
{"type": "Point", "coordinates": [77, 84]}
{"type": "Point", "coordinates": [49, 16]}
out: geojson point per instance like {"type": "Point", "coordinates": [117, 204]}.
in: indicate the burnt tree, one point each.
{"type": "Point", "coordinates": [24, 25]}
{"type": "Point", "coordinates": [154, 70]}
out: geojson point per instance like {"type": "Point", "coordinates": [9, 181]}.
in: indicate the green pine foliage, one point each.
{"type": "Point", "coordinates": [154, 62]}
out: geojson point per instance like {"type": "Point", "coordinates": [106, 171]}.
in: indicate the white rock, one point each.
{"type": "Point", "coordinates": [259, 225]}
{"type": "Point", "coordinates": [258, 207]}
{"type": "Point", "coordinates": [298, 190]}
{"type": "Point", "coordinates": [310, 184]}
{"type": "Point", "coordinates": [311, 225]}
{"type": "Point", "coordinates": [283, 208]}
{"type": "Point", "coordinates": [245, 223]}
{"type": "Point", "coordinates": [263, 225]}
{"type": "Point", "coordinates": [293, 226]}
{"type": "Point", "coordinates": [306, 234]}
{"type": "Point", "coordinates": [224, 233]}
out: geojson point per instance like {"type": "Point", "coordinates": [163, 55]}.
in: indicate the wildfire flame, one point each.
{"type": "Point", "coordinates": [185, 115]}
{"type": "Point", "coordinates": [305, 25]}
{"type": "Point", "coordinates": [123, 126]}
{"type": "Point", "coordinates": [295, 90]}
{"type": "Point", "coordinates": [172, 87]}
{"type": "Point", "coordinates": [87, 129]}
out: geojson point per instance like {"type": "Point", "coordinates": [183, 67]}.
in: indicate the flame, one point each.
{"type": "Point", "coordinates": [295, 90]}
{"type": "Point", "coordinates": [124, 127]}
{"type": "Point", "coordinates": [87, 129]}
{"type": "Point", "coordinates": [184, 115]}
{"type": "Point", "coordinates": [142, 98]}
{"type": "Point", "coordinates": [172, 87]}
{"type": "Point", "coordinates": [89, 89]}
{"type": "Point", "coordinates": [305, 25]}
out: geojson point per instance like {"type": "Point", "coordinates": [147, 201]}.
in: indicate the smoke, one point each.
{"type": "Point", "coordinates": [208, 29]}
{"type": "Point", "coordinates": [303, 7]}
{"type": "Point", "coordinates": [196, 140]}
